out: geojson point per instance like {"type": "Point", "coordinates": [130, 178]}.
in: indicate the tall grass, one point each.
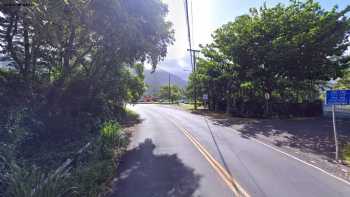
{"type": "Point", "coordinates": [111, 132]}
{"type": "Point", "coordinates": [93, 178]}
{"type": "Point", "coordinates": [131, 115]}
{"type": "Point", "coordinates": [31, 182]}
{"type": "Point", "coordinates": [89, 177]}
{"type": "Point", "coordinates": [346, 154]}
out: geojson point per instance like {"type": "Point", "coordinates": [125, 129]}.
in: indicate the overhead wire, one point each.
{"type": "Point", "coordinates": [192, 24]}
{"type": "Point", "coordinates": [188, 31]}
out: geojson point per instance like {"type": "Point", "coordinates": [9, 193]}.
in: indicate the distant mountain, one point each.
{"type": "Point", "coordinates": [161, 78]}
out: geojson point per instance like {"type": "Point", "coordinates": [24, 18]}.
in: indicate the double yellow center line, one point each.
{"type": "Point", "coordinates": [225, 176]}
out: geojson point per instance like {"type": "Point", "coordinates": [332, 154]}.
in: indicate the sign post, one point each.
{"type": "Point", "coordinates": [337, 97]}
{"type": "Point", "coordinates": [205, 99]}
{"type": "Point", "coordinates": [335, 134]}
{"type": "Point", "coordinates": [267, 98]}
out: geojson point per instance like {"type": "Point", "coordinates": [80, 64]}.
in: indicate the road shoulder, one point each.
{"type": "Point", "coordinates": [307, 139]}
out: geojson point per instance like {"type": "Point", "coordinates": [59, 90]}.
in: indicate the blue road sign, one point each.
{"type": "Point", "coordinates": [338, 97]}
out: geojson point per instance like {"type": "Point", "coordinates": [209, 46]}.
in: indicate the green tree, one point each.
{"type": "Point", "coordinates": [300, 42]}
{"type": "Point", "coordinates": [73, 65]}
{"type": "Point", "coordinates": [84, 51]}
{"type": "Point", "coordinates": [344, 82]}
{"type": "Point", "coordinates": [286, 51]}
{"type": "Point", "coordinates": [174, 92]}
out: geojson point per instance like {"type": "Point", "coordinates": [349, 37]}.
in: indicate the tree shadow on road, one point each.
{"type": "Point", "coordinates": [143, 174]}
{"type": "Point", "coordinates": [310, 135]}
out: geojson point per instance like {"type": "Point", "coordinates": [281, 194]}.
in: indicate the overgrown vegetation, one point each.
{"type": "Point", "coordinates": [92, 170]}
{"type": "Point", "coordinates": [346, 154]}
{"type": "Point", "coordinates": [344, 82]}
{"type": "Point", "coordinates": [172, 93]}
{"type": "Point", "coordinates": [67, 70]}
{"type": "Point", "coordinates": [93, 176]}
{"type": "Point", "coordinates": [22, 182]}
{"type": "Point", "coordinates": [274, 61]}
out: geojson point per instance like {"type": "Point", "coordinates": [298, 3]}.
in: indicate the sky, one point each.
{"type": "Point", "coordinates": [207, 16]}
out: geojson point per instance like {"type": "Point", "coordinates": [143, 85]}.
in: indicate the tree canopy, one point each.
{"type": "Point", "coordinates": [84, 48]}
{"type": "Point", "coordinates": [286, 51]}
{"type": "Point", "coordinates": [69, 66]}
{"type": "Point", "coordinates": [344, 82]}
{"type": "Point", "coordinates": [173, 91]}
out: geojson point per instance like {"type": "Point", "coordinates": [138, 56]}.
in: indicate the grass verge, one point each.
{"type": "Point", "coordinates": [186, 106]}
{"type": "Point", "coordinates": [346, 154]}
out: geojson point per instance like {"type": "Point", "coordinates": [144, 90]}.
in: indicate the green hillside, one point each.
{"type": "Point", "coordinates": [160, 78]}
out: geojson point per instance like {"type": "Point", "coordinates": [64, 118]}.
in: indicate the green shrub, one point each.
{"type": "Point", "coordinates": [100, 167]}
{"type": "Point", "coordinates": [88, 177]}
{"type": "Point", "coordinates": [346, 154]}
{"type": "Point", "coordinates": [110, 132]}
{"type": "Point", "coordinates": [93, 178]}
{"type": "Point", "coordinates": [131, 115]}
{"type": "Point", "coordinates": [31, 182]}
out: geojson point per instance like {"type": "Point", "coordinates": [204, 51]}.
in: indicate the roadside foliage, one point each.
{"type": "Point", "coordinates": [172, 93]}
{"type": "Point", "coordinates": [274, 61]}
{"type": "Point", "coordinates": [68, 68]}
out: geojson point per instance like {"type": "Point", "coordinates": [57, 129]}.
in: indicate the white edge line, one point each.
{"type": "Point", "coordinates": [296, 158]}
{"type": "Point", "coordinates": [293, 157]}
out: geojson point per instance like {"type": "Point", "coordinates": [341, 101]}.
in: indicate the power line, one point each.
{"type": "Point", "coordinates": [192, 24]}
{"type": "Point", "coordinates": [188, 30]}
{"type": "Point", "coordinates": [194, 79]}
{"type": "Point", "coordinates": [192, 52]}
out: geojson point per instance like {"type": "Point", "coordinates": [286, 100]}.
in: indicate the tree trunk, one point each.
{"type": "Point", "coordinates": [68, 51]}
{"type": "Point", "coordinates": [228, 105]}
{"type": "Point", "coordinates": [26, 50]}
{"type": "Point", "coordinates": [10, 33]}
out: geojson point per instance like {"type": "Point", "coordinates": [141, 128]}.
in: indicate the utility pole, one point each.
{"type": "Point", "coordinates": [188, 30]}
{"type": "Point", "coordinates": [194, 72]}
{"type": "Point", "coordinates": [335, 135]}
{"type": "Point", "coordinates": [169, 89]}
{"type": "Point", "coordinates": [191, 51]}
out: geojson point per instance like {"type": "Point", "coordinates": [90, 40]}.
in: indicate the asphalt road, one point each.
{"type": "Point", "coordinates": [176, 153]}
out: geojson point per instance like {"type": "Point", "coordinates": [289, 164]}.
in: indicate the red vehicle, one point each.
{"type": "Point", "coordinates": [148, 99]}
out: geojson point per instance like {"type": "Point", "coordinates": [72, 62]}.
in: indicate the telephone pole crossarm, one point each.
{"type": "Point", "coordinates": [194, 72]}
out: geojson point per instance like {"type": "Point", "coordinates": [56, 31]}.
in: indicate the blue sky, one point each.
{"type": "Point", "coordinates": [208, 15]}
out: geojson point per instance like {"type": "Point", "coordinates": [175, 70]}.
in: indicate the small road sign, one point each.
{"type": "Point", "coordinates": [205, 97]}
{"type": "Point", "coordinates": [338, 97]}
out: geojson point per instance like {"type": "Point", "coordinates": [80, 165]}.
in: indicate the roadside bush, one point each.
{"type": "Point", "coordinates": [51, 106]}
{"type": "Point", "coordinates": [91, 171]}
{"type": "Point", "coordinates": [110, 132]}
{"type": "Point", "coordinates": [256, 108]}
{"type": "Point", "coordinates": [93, 176]}
{"type": "Point", "coordinates": [346, 154]}
{"type": "Point", "coordinates": [92, 179]}
{"type": "Point", "coordinates": [131, 116]}
{"type": "Point", "coordinates": [32, 182]}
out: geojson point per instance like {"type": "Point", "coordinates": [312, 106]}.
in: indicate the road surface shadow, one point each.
{"type": "Point", "coordinates": [143, 174]}
{"type": "Point", "coordinates": [311, 135]}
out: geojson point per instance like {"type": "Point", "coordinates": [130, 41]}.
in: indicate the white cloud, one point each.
{"type": "Point", "coordinates": [177, 60]}
{"type": "Point", "coordinates": [201, 27]}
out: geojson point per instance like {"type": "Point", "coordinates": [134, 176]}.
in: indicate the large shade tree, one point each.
{"type": "Point", "coordinates": [75, 63]}
{"type": "Point", "coordinates": [172, 93]}
{"type": "Point", "coordinates": [286, 52]}
{"type": "Point", "coordinates": [87, 43]}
